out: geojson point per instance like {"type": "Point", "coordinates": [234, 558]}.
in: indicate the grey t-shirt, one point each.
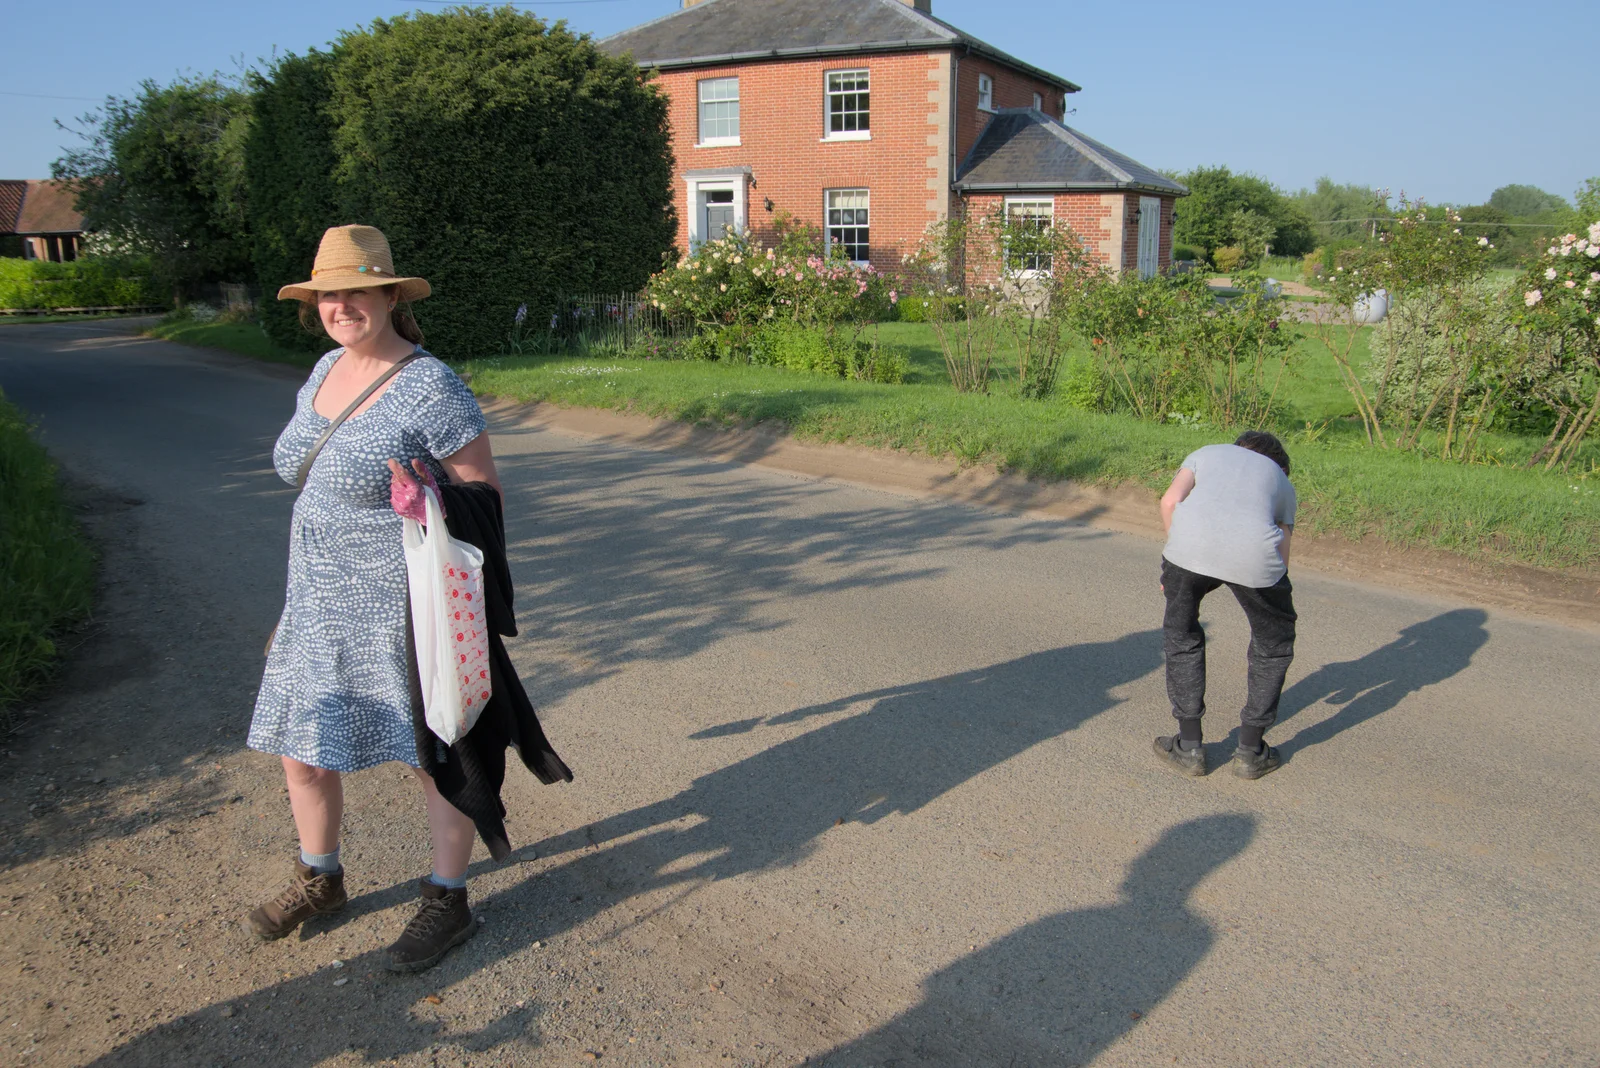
{"type": "Point", "coordinates": [1227, 527]}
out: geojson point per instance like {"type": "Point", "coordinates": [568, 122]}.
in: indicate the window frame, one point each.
{"type": "Point", "coordinates": [1038, 101]}
{"type": "Point", "coordinates": [828, 132]}
{"type": "Point", "coordinates": [828, 226]}
{"type": "Point", "coordinates": [1035, 271]}
{"type": "Point", "coordinates": [985, 92]}
{"type": "Point", "coordinates": [700, 116]}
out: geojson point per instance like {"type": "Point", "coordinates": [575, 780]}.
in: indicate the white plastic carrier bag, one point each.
{"type": "Point", "coordinates": [448, 623]}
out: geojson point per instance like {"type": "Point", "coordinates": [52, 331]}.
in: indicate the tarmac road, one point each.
{"type": "Point", "coordinates": [860, 779]}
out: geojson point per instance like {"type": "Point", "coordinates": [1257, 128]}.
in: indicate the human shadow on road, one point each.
{"type": "Point", "coordinates": [914, 744]}
{"type": "Point", "coordinates": [1425, 653]}
{"type": "Point", "coordinates": [1060, 990]}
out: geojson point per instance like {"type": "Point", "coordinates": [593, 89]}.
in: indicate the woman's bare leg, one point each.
{"type": "Point", "coordinates": [316, 795]}
{"type": "Point", "coordinates": [452, 832]}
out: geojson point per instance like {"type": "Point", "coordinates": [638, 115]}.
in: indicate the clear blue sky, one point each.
{"type": "Point", "coordinates": [1445, 100]}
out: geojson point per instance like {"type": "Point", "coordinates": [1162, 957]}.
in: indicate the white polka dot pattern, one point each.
{"type": "Point", "coordinates": [335, 693]}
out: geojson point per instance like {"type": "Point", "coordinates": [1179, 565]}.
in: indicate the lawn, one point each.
{"type": "Point", "coordinates": [6, 320]}
{"type": "Point", "coordinates": [47, 583]}
{"type": "Point", "coordinates": [1504, 513]}
{"type": "Point", "coordinates": [246, 339]}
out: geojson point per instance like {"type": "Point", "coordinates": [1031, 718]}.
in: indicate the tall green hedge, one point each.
{"type": "Point", "coordinates": [509, 161]}
{"type": "Point", "coordinates": [292, 198]}
{"type": "Point", "coordinates": [87, 283]}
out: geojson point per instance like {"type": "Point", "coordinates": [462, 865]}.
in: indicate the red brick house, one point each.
{"type": "Point", "coordinates": [38, 220]}
{"type": "Point", "coordinates": [873, 119]}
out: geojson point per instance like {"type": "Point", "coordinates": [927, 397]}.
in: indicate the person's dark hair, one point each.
{"type": "Point", "coordinates": [1267, 445]}
{"type": "Point", "coordinates": [405, 323]}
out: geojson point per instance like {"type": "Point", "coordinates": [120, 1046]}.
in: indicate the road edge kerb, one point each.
{"type": "Point", "coordinates": [1512, 588]}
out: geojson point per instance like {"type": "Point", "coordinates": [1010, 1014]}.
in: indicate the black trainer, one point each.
{"type": "Point", "coordinates": [1248, 765]}
{"type": "Point", "coordinates": [442, 922]}
{"type": "Point", "coordinates": [1187, 761]}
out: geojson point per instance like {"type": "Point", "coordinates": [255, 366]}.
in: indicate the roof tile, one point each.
{"type": "Point", "coordinates": [48, 209]}
{"type": "Point", "coordinates": [743, 30]}
{"type": "Point", "coordinates": [1022, 148]}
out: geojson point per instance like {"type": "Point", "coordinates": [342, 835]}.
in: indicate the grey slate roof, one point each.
{"type": "Point", "coordinates": [731, 31]}
{"type": "Point", "coordinates": [1023, 149]}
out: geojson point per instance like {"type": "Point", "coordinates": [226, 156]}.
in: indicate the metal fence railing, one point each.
{"type": "Point", "coordinates": [618, 320]}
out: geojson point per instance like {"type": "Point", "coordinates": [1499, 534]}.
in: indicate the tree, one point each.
{"type": "Point", "coordinates": [1527, 201]}
{"type": "Point", "coordinates": [1206, 218]}
{"type": "Point", "coordinates": [1341, 212]}
{"type": "Point", "coordinates": [161, 174]}
{"type": "Point", "coordinates": [508, 160]}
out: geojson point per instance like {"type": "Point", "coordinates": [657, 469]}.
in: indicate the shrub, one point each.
{"type": "Point", "coordinates": [1311, 267]}
{"type": "Point", "coordinates": [1083, 386]}
{"type": "Point", "coordinates": [87, 283]}
{"type": "Point", "coordinates": [1165, 350]}
{"type": "Point", "coordinates": [508, 161]}
{"type": "Point", "coordinates": [1188, 252]}
{"type": "Point", "coordinates": [840, 352]}
{"type": "Point", "coordinates": [735, 280]}
{"type": "Point", "coordinates": [1560, 308]}
{"type": "Point", "coordinates": [1227, 258]}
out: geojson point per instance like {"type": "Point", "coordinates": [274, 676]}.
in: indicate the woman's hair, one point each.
{"type": "Point", "coordinates": [404, 322]}
{"type": "Point", "coordinates": [1267, 445]}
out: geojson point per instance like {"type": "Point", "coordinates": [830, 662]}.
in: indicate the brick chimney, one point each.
{"type": "Point", "coordinates": [924, 6]}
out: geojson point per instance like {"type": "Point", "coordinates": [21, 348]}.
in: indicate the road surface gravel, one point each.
{"type": "Point", "coordinates": [861, 780]}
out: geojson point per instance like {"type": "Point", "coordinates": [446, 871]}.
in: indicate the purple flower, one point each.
{"type": "Point", "coordinates": [522, 313]}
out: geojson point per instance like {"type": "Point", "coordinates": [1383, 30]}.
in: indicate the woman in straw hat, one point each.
{"type": "Point", "coordinates": [336, 694]}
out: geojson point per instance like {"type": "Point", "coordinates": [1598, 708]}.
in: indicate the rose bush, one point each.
{"type": "Point", "coordinates": [1560, 309]}
{"type": "Point", "coordinates": [737, 281]}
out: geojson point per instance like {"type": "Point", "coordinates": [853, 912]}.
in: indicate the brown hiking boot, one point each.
{"type": "Point", "coordinates": [442, 922]}
{"type": "Point", "coordinates": [308, 895]}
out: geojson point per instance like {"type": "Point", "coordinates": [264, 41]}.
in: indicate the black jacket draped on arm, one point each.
{"type": "Point", "coordinates": [470, 773]}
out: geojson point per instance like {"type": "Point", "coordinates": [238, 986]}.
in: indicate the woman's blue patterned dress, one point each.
{"type": "Point", "coordinates": [335, 694]}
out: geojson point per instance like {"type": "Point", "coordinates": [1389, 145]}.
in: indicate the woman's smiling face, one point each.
{"type": "Point", "coordinates": [355, 316]}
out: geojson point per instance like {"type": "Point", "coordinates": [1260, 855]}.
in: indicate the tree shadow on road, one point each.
{"type": "Point", "coordinates": [913, 745]}
{"type": "Point", "coordinates": [1060, 990]}
{"type": "Point", "coordinates": [622, 556]}
{"type": "Point", "coordinates": [1425, 653]}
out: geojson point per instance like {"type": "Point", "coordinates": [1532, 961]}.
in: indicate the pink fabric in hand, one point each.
{"type": "Point", "coordinates": [407, 499]}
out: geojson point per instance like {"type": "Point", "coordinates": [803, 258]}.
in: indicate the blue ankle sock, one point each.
{"type": "Point", "coordinates": [449, 884]}
{"type": "Point", "coordinates": [320, 863]}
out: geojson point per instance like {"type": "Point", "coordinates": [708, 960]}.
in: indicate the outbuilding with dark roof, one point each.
{"type": "Point", "coordinates": [39, 220]}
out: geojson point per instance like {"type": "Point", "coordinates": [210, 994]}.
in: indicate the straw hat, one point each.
{"type": "Point", "coordinates": [354, 257]}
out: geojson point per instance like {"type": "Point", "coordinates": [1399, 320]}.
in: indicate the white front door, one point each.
{"type": "Point", "coordinates": [1149, 236]}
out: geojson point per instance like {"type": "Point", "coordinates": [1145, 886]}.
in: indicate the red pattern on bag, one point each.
{"type": "Point", "coordinates": [470, 646]}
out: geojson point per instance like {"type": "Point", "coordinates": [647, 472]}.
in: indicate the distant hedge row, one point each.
{"type": "Point", "coordinates": [508, 161]}
{"type": "Point", "coordinates": [89, 283]}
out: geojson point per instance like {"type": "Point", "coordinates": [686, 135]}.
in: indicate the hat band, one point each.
{"type": "Point", "coordinates": [358, 268]}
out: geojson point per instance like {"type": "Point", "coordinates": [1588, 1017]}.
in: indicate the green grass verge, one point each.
{"type": "Point", "coordinates": [18, 320]}
{"type": "Point", "coordinates": [246, 339]}
{"type": "Point", "coordinates": [47, 577]}
{"type": "Point", "coordinates": [1504, 513]}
